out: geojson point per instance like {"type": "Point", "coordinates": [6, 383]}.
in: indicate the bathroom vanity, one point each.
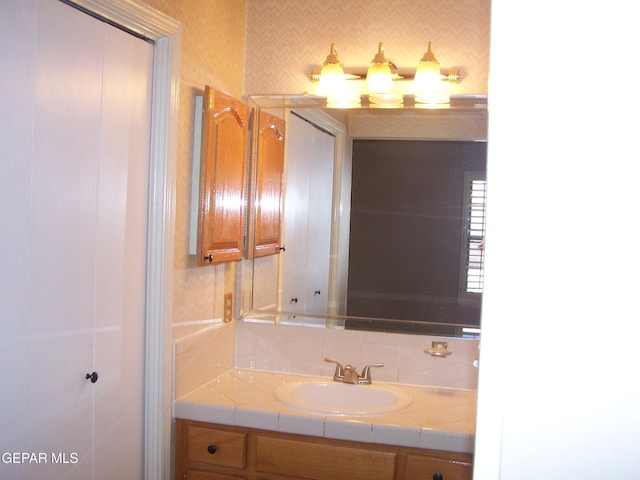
{"type": "Point", "coordinates": [206, 451]}
{"type": "Point", "coordinates": [235, 428]}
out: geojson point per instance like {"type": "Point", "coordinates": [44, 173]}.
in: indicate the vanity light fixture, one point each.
{"type": "Point", "coordinates": [380, 80]}
{"type": "Point", "coordinates": [332, 82]}
{"type": "Point", "coordinates": [383, 81]}
{"type": "Point", "coordinates": [427, 82]}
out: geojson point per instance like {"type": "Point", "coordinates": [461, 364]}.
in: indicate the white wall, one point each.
{"type": "Point", "coordinates": [559, 369]}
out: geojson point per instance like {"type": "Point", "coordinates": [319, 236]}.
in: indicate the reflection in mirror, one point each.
{"type": "Point", "coordinates": [382, 218]}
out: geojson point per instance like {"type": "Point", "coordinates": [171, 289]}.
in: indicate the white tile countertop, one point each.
{"type": "Point", "coordinates": [437, 418]}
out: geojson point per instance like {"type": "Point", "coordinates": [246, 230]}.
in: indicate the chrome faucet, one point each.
{"type": "Point", "coordinates": [338, 375]}
{"type": "Point", "coordinates": [349, 374]}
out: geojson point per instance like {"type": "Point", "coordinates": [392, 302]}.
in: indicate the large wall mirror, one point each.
{"type": "Point", "coordinates": [373, 217]}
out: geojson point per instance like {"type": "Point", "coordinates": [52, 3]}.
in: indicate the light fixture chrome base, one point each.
{"type": "Point", "coordinates": [451, 75]}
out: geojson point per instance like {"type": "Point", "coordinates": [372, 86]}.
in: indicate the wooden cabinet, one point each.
{"type": "Point", "coordinates": [216, 447]}
{"type": "Point", "coordinates": [217, 452]}
{"type": "Point", "coordinates": [222, 178]}
{"type": "Point", "coordinates": [198, 475]}
{"type": "Point", "coordinates": [289, 458]}
{"type": "Point", "coordinates": [427, 465]}
{"type": "Point", "coordinates": [269, 173]}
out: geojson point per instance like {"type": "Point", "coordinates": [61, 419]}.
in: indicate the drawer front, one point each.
{"type": "Point", "coordinates": [198, 475]}
{"type": "Point", "coordinates": [216, 447]}
{"type": "Point", "coordinates": [419, 467]}
{"type": "Point", "coordinates": [314, 461]}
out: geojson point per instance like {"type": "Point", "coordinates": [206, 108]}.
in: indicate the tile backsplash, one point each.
{"type": "Point", "coordinates": [200, 357]}
{"type": "Point", "coordinates": [302, 350]}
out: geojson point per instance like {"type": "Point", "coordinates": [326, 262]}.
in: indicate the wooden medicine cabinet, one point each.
{"type": "Point", "coordinates": [222, 178]}
{"type": "Point", "coordinates": [271, 143]}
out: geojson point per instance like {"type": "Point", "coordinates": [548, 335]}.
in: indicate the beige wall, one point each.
{"type": "Point", "coordinates": [212, 53]}
{"type": "Point", "coordinates": [286, 38]}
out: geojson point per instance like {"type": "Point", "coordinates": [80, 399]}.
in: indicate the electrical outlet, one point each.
{"type": "Point", "coordinates": [228, 307]}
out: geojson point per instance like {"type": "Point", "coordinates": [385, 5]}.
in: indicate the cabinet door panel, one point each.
{"type": "Point", "coordinates": [269, 188]}
{"type": "Point", "coordinates": [75, 116]}
{"type": "Point", "coordinates": [313, 461]}
{"type": "Point", "coordinates": [425, 467]}
{"type": "Point", "coordinates": [198, 475]}
{"type": "Point", "coordinates": [222, 178]}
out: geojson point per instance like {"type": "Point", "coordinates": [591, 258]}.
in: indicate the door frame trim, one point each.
{"type": "Point", "coordinates": [165, 32]}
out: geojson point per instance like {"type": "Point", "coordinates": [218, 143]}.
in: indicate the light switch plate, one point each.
{"type": "Point", "coordinates": [228, 307]}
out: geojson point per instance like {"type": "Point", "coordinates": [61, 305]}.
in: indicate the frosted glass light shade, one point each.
{"type": "Point", "coordinates": [379, 78]}
{"type": "Point", "coordinates": [427, 83]}
{"type": "Point", "coordinates": [332, 80]}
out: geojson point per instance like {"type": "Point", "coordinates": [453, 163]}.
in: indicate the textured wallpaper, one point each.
{"type": "Point", "coordinates": [286, 38]}
{"type": "Point", "coordinates": [212, 53]}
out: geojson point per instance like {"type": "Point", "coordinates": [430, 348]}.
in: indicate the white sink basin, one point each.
{"type": "Point", "coordinates": [334, 398]}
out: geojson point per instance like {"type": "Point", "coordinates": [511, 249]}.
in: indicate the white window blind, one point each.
{"type": "Point", "coordinates": [473, 245]}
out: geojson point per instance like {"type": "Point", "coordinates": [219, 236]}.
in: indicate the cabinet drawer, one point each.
{"type": "Point", "coordinates": [198, 475]}
{"type": "Point", "coordinates": [216, 447]}
{"type": "Point", "coordinates": [316, 461]}
{"type": "Point", "coordinates": [450, 468]}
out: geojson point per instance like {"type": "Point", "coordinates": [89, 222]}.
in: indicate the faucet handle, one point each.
{"type": "Point", "coordinates": [365, 378]}
{"type": "Point", "coordinates": [338, 376]}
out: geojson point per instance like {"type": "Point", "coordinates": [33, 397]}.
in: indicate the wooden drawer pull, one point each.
{"type": "Point", "coordinates": [212, 449]}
